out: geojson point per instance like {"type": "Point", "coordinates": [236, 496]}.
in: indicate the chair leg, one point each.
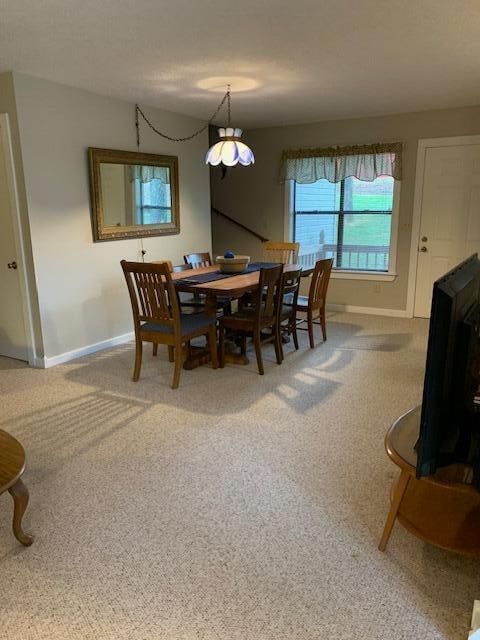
{"type": "Point", "coordinates": [212, 346]}
{"type": "Point", "coordinates": [178, 366]}
{"type": "Point", "coordinates": [243, 345]}
{"type": "Point", "coordinates": [310, 329]}
{"type": "Point", "coordinates": [138, 359]}
{"type": "Point", "coordinates": [278, 344]}
{"type": "Point", "coordinates": [258, 352]}
{"type": "Point", "coordinates": [294, 334]}
{"type": "Point", "coordinates": [171, 355]}
{"type": "Point", "coordinates": [221, 344]}
{"type": "Point", "coordinates": [155, 349]}
{"type": "Point", "coordinates": [324, 324]}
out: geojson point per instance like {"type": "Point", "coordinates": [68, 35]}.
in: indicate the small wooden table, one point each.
{"type": "Point", "coordinates": [12, 465]}
{"type": "Point", "coordinates": [233, 287]}
{"type": "Point", "coordinates": [439, 509]}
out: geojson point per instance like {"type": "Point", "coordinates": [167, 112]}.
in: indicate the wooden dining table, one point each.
{"type": "Point", "coordinates": [233, 287]}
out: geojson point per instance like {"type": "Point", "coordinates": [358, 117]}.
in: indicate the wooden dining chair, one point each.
{"type": "Point", "coordinates": [177, 268]}
{"type": "Point", "coordinates": [288, 309]}
{"type": "Point", "coordinates": [197, 260]}
{"type": "Point", "coordinates": [285, 252]}
{"type": "Point", "coordinates": [157, 317]}
{"type": "Point", "coordinates": [314, 304]}
{"type": "Point", "coordinates": [263, 315]}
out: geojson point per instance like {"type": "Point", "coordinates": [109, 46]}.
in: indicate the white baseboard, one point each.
{"type": "Point", "coordinates": [46, 362]}
{"type": "Point", "coordinates": [374, 311]}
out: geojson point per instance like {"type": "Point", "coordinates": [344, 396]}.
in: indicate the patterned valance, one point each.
{"type": "Point", "coordinates": [365, 162]}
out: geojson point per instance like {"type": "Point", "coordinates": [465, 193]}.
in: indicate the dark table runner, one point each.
{"type": "Point", "coordinates": [202, 278]}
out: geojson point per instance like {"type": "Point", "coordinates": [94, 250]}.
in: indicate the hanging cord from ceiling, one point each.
{"type": "Point", "coordinates": [139, 112]}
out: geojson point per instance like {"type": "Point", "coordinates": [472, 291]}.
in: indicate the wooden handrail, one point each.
{"type": "Point", "coordinates": [239, 224]}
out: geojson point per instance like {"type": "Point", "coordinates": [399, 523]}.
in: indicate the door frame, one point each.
{"type": "Point", "coordinates": [7, 147]}
{"type": "Point", "coordinates": [423, 145]}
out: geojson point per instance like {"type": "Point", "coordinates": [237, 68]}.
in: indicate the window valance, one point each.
{"type": "Point", "coordinates": [365, 162]}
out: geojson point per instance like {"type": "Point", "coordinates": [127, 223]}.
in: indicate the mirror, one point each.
{"type": "Point", "coordinates": [133, 195]}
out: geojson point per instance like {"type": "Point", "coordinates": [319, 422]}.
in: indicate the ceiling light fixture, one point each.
{"type": "Point", "coordinates": [229, 151]}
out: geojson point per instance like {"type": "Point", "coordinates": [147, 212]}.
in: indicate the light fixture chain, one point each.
{"type": "Point", "coordinates": [226, 97]}
{"type": "Point", "coordinates": [229, 108]}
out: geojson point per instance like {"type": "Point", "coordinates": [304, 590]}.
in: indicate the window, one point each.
{"type": "Point", "coordinates": [349, 221]}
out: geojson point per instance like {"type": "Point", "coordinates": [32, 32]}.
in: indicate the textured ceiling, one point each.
{"type": "Point", "coordinates": [297, 61]}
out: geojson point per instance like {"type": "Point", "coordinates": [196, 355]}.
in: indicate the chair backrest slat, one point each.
{"type": "Point", "coordinates": [285, 252]}
{"type": "Point", "coordinates": [268, 297]}
{"type": "Point", "coordinates": [152, 294]}
{"type": "Point", "coordinates": [319, 284]}
{"type": "Point", "coordinates": [197, 260]}
{"type": "Point", "coordinates": [291, 285]}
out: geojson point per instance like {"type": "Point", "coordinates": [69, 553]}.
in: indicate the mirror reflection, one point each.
{"type": "Point", "coordinates": [133, 194]}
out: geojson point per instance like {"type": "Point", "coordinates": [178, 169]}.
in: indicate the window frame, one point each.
{"type": "Point", "coordinates": [351, 274]}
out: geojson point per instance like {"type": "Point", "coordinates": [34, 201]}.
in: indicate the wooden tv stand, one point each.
{"type": "Point", "coordinates": [439, 509]}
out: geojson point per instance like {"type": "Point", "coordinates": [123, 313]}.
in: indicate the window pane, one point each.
{"type": "Point", "coordinates": [370, 196]}
{"type": "Point", "coordinates": [318, 196]}
{"type": "Point", "coordinates": [366, 241]}
{"type": "Point", "coordinates": [356, 240]}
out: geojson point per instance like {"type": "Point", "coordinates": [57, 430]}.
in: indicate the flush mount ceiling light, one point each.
{"type": "Point", "coordinates": [229, 151]}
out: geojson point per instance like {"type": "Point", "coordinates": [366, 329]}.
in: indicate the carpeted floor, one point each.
{"type": "Point", "coordinates": [237, 507]}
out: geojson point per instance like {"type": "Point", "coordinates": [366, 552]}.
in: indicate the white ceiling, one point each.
{"type": "Point", "coordinates": [301, 60]}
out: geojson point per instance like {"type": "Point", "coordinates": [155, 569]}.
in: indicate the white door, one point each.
{"type": "Point", "coordinates": [450, 216]}
{"type": "Point", "coordinates": [13, 342]}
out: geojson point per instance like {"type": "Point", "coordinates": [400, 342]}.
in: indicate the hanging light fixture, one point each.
{"type": "Point", "coordinates": [230, 150]}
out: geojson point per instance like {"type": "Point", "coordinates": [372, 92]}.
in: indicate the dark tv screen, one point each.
{"type": "Point", "coordinates": [449, 424]}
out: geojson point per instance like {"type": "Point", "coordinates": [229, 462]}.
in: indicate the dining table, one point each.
{"type": "Point", "coordinates": [213, 284]}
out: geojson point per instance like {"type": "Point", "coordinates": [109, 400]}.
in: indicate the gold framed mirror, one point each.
{"type": "Point", "coordinates": [133, 195]}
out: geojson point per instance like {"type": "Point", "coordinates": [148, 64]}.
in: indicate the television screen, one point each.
{"type": "Point", "coordinates": [449, 423]}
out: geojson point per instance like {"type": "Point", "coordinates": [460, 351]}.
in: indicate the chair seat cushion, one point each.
{"type": "Point", "coordinates": [189, 324]}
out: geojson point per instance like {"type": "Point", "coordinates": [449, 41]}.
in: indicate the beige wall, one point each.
{"type": "Point", "coordinates": [82, 295]}
{"type": "Point", "coordinates": [254, 196]}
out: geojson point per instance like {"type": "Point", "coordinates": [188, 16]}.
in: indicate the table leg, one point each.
{"type": "Point", "coordinates": [398, 494]}
{"type": "Point", "coordinates": [19, 493]}
{"type": "Point", "coordinates": [200, 355]}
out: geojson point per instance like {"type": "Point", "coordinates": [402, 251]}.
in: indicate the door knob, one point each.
{"type": "Point", "coordinates": [423, 249]}
{"type": "Point", "coordinates": [12, 265]}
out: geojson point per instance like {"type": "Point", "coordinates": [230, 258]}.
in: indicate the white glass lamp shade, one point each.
{"type": "Point", "coordinates": [230, 150]}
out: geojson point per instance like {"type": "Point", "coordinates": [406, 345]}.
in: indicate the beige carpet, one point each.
{"type": "Point", "coordinates": [237, 507]}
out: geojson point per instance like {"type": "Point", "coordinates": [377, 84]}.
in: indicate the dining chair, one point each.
{"type": "Point", "coordinates": [285, 252]}
{"type": "Point", "coordinates": [181, 267]}
{"type": "Point", "coordinates": [263, 315]}
{"type": "Point", "coordinates": [314, 304]}
{"type": "Point", "coordinates": [157, 317]}
{"type": "Point", "coordinates": [197, 260]}
{"type": "Point", "coordinates": [288, 309]}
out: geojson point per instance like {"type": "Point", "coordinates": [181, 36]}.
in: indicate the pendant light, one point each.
{"type": "Point", "coordinates": [230, 150]}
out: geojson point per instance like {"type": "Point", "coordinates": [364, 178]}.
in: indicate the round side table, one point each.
{"type": "Point", "coordinates": [12, 465]}
{"type": "Point", "coordinates": [439, 509]}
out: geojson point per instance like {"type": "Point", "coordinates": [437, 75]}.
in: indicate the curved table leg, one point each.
{"type": "Point", "coordinates": [398, 494]}
{"type": "Point", "coordinates": [19, 493]}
